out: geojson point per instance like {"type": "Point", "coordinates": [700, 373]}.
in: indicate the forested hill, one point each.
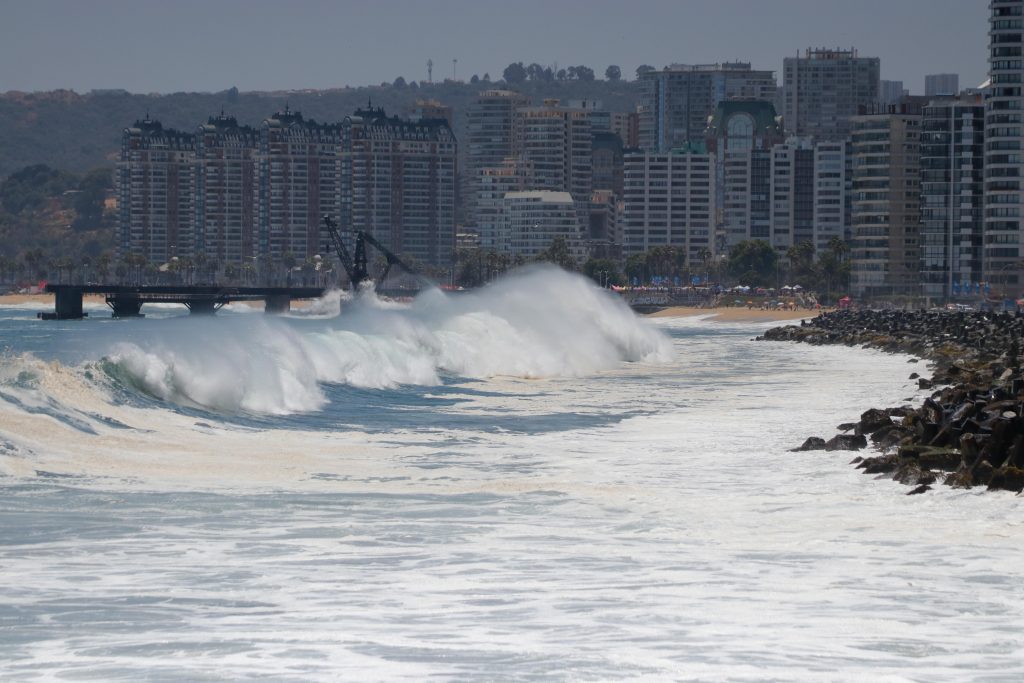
{"type": "Point", "coordinates": [73, 132]}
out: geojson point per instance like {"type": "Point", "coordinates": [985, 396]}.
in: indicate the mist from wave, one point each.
{"type": "Point", "coordinates": [540, 322]}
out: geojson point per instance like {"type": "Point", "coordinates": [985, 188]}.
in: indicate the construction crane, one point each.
{"type": "Point", "coordinates": [355, 263]}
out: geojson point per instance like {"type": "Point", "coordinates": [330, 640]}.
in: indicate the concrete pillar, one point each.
{"type": "Point", "coordinates": [125, 306]}
{"type": "Point", "coordinates": [277, 304]}
{"type": "Point", "coordinates": [201, 306]}
{"type": "Point", "coordinates": [68, 303]}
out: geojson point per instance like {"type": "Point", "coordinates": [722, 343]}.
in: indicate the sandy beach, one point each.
{"type": "Point", "coordinates": [734, 314]}
{"type": "Point", "coordinates": [43, 300]}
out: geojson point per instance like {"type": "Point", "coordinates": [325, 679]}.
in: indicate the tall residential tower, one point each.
{"type": "Point", "coordinates": [1003, 137]}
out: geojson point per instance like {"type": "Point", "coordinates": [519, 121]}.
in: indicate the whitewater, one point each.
{"type": "Point", "coordinates": [527, 482]}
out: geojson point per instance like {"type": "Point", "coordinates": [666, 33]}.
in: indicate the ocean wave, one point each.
{"type": "Point", "coordinates": [537, 323]}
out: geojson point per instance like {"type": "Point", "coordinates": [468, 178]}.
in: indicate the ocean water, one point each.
{"type": "Point", "coordinates": [527, 483]}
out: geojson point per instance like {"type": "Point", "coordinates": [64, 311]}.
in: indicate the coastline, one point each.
{"type": "Point", "coordinates": [969, 432]}
{"type": "Point", "coordinates": [725, 314]}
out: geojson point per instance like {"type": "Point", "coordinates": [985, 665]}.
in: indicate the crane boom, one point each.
{"type": "Point", "coordinates": [355, 264]}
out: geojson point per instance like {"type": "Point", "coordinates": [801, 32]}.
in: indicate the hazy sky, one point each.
{"type": "Point", "coordinates": [210, 45]}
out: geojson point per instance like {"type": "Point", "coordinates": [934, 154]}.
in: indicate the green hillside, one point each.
{"type": "Point", "coordinates": [73, 132]}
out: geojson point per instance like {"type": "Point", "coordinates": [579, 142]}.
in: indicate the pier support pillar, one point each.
{"type": "Point", "coordinates": [201, 306]}
{"type": "Point", "coordinates": [125, 306]}
{"type": "Point", "coordinates": [277, 304]}
{"type": "Point", "coordinates": [68, 303]}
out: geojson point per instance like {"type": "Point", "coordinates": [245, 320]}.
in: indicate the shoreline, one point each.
{"type": "Point", "coordinates": [724, 314]}
{"type": "Point", "coordinates": [734, 314]}
{"type": "Point", "coordinates": [968, 432]}
{"type": "Point", "coordinates": [44, 299]}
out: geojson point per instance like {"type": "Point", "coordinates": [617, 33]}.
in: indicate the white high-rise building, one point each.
{"type": "Point", "coordinates": [669, 201]}
{"type": "Point", "coordinates": [534, 219]}
{"type": "Point", "coordinates": [1003, 246]}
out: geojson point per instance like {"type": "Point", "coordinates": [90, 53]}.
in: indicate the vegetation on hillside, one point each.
{"type": "Point", "coordinates": [74, 132]}
{"type": "Point", "coordinates": [53, 221]}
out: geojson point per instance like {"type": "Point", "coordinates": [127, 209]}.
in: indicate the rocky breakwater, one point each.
{"type": "Point", "coordinates": [969, 431]}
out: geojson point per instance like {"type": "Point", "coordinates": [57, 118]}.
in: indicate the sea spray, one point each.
{"type": "Point", "coordinates": [539, 322]}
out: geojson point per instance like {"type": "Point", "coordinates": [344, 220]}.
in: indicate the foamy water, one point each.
{"type": "Point", "coordinates": [501, 487]}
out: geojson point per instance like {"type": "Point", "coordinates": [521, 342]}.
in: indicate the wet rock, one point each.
{"type": "Point", "coordinates": [971, 426]}
{"type": "Point", "coordinates": [961, 479]}
{"type": "Point", "coordinates": [846, 442]}
{"type": "Point", "coordinates": [945, 459]}
{"type": "Point", "coordinates": [919, 490]}
{"type": "Point", "coordinates": [872, 420]}
{"type": "Point", "coordinates": [882, 464]}
{"type": "Point", "coordinates": [1008, 479]}
{"type": "Point", "coordinates": [814, 443]}
{"type": "Point", "coordinates": [913, 375]}
{"type": "Point", "coordinates": [982, 473]}
{"type": "Point", "coordinates": [847, 426]}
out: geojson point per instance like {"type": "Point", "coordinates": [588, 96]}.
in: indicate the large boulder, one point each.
{"type": "Point", "coordinates": [1007, 478]}
{"type": "Point", "coordinates": [872, 420]}
{"type": "Point", "coordinates": [846, 442]}
{"type": "Point", "coordinates": [814, 443]}
{"type": "Point", "coordinates": [945, 459]}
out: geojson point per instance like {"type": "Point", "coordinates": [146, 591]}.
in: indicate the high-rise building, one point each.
{"type": "Point", "coordinates": [824, 89]}
{"type": "Point", "coordinates": [226, 184]}
{"type": "Point", "coordinates": [807, 193]}
{"type": "Point", "coordinates": [941, 84]}
{"type": "Point", "coordinates": [300, 180]}
{"type": "Point", "coordinates": [1002, 251]}
{"type": "Point", "coordinates": [489, 123]}
{"type": "Point", "coordinates": [402, 183]}
{"type": "Point", "coordinates": [535, 218]}
{"type": "Point", "coordinates": [156, 186]}
{"type": "Point", "coordinates": [677, 101]}
{"type": "Point", "coordinates": [741, 134]}
{"type": "Point", "coordinates": [627, 126]}
{"type": "Point", "coordinates": [493, 183]}
{"type": "Point", "coordinates": [604, 238]}
{"type": "Point", "coordinates": [557, 143]}
{"type": "Point", "coordinates": [952, 183]}
{"type": "Point", "coordinates": [607, 162]}
{"type": "Point", "coordinates": [885, 250]}
{"type": "Point", "coordinates": [669, 200]}
{"type": "Point", "coordinates": [891, 92]}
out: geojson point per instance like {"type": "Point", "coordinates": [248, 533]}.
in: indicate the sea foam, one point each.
{"type": "Point", "coordinates": [539, 322]}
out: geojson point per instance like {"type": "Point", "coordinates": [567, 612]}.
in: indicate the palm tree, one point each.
{"type": "Point", "coordinates": [838, 246]}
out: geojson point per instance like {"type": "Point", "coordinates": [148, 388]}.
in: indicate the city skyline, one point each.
{"type": "Point", "coordinates": [318, 45]}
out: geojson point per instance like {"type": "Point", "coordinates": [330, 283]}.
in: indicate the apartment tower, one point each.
{"type": "Point", "coordinates": [1002, 251]}
{"type": "Point", "coordinates": [676, 102]}
{"type": "Point", "coordinates": [824, 89]}
{"type": "Point", "coordinates": [156, 187]}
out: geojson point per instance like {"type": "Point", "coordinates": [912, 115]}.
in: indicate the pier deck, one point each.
{"type": "Point", "coordinates": [127, 300]}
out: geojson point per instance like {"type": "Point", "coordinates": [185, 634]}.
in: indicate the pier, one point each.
{"type": "Point", "coordinates": [126, 301]}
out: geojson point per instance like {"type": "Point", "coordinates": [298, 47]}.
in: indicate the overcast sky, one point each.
{"type": "Point", "coordinates": [210, 45]}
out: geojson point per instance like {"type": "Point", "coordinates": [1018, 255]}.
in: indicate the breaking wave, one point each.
{"type": "Point", "coordinates": [537, 323]}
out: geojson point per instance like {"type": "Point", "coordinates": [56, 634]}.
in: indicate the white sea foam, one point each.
{"type": "Point", "coordinates": [681, 543]}
{"type": "Point", "coordinates": [644, 523]}
{"type": "Point", "coordinates": [538, 323]}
